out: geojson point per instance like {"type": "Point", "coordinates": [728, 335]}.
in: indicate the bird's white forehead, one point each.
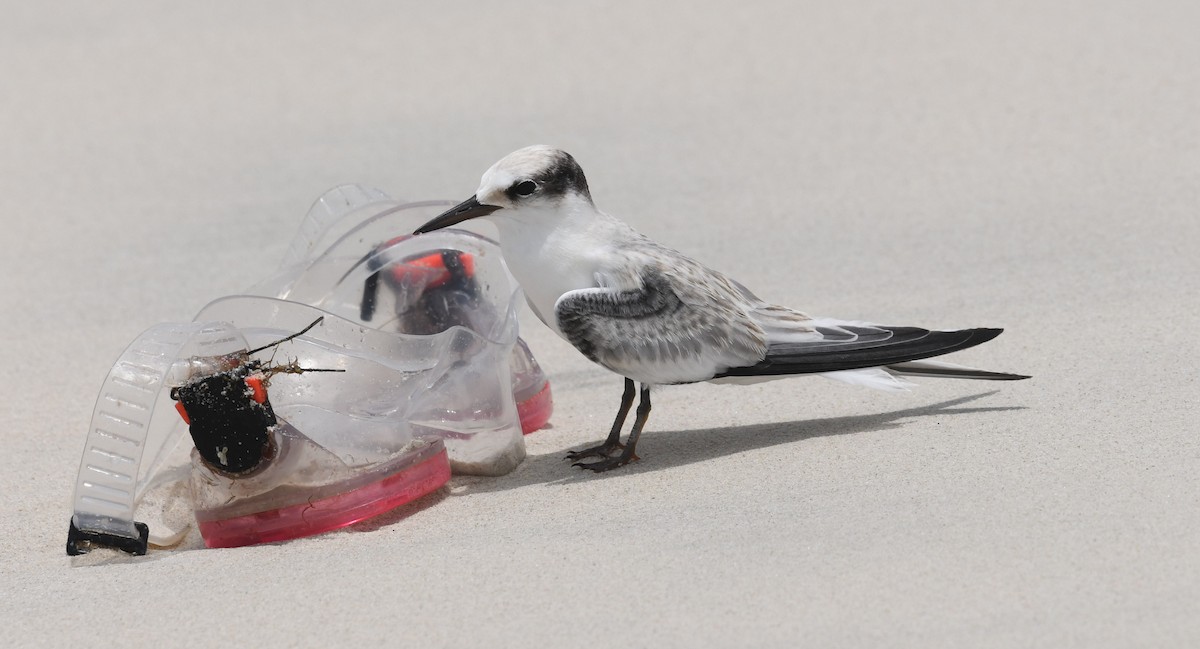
{"type": "Point", "coordinates": [518, 165]}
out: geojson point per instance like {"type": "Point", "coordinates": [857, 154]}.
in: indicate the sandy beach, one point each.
{"type": "Point", "coordinates": [1031, 166]}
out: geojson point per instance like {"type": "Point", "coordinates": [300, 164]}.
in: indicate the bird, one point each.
{"type": "Point", "coordinates": [657, 317]}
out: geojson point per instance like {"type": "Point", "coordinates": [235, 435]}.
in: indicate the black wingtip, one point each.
{"type": "Point", "coordinates": [1000, 376]}
{"type": "Point", "coordinates": [953, 373]}
{"type": "Point", "coordinates": [984, 334]}
{"type": "Point", "coordinates": [907, 344]}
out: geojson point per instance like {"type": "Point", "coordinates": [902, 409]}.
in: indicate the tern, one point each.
{"type": "Point", "coordinates": [658, 317]}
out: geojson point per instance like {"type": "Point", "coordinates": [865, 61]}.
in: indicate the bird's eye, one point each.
{"type": "Point", "coordinates": [525, 188]}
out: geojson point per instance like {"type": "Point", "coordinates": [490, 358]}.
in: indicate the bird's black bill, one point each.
{"type": "Point", "coordinates": [468, 209]}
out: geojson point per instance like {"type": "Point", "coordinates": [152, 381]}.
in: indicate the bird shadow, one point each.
{"type": "Point", "coordinates": [669, 449]}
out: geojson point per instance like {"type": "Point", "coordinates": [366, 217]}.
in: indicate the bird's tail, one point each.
{"type": "Point", "coordinates": [861, 347]}
{"type": "Point", "coordinates": [874, 356]}
{"type": "Point", "coordinates": [944, 370]}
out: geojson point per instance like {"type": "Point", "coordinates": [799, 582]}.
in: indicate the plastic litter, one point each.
{"type": "Point", "coordinates": [420, 373]}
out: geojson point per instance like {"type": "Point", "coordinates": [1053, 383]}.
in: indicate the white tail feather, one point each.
{"type": "Point", "coordinates": [871, 377]}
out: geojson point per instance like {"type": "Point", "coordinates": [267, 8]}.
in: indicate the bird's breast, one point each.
{"type": "Point", "coordinates": [548, 267]}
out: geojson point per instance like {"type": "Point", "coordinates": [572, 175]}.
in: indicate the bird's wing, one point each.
{"type": "Point", "coordinates": [849, 346]}
{"type": "Point", "coordinates": [668, 325]}
{"type": "Point", "coordinates": [859, 353]}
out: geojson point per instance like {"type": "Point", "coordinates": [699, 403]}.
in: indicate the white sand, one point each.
{"type": "Point", "coordinates": [932, 163]}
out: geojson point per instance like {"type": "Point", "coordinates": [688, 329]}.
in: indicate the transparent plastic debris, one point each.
{"type": "Point", "coordinates": [334, 459]}
{"type": "Point", "coordinates": [348, 243]}
{"type": "Point", "coordinates": [433, 377]}
{"type": "Point", "coordinates": [133, 426]}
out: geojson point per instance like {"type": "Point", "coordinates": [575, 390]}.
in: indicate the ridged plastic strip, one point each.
{"type": "Point", "coordinates": [125, 438]}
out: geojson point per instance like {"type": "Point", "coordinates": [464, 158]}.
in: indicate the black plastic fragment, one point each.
{"type": "Point", "coordinates": [230, 429]}
{"type": "Point", "coordinates": [84, 541]}
{"type": "Point", "coordinates": [370, 295]}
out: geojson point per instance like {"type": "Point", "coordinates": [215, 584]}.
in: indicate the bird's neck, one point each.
{"type": "Point", "coordinates": [529, 232]}
{"type": "Point", "coordinates": [551, 253]}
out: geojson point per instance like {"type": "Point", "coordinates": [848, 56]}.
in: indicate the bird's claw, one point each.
{"type": "Point", "coordinates": [601, 450]}
{"type": "Point", "coordinates": [600, 466]}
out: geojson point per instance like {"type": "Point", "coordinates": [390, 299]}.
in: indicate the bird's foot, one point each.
{"type": "Point", "coordinates": [600, 450]}
{"type": "Point", "coordinates": [600, 466]}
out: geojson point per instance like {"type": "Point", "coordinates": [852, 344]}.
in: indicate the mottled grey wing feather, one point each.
{"type": "Point", "coordinates": [669, 330]}
{"type": "Point", "coordinates": [867, 348]}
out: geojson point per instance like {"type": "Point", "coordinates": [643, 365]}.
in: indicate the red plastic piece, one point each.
{"type": "Point", "coordinates": [535, 411]}
{"type": "Point", "coordinates": [256, 385]}
{"type": "Point", "coordinates": [429, 271]}
{"type": "Point", "coordinates": [183, 413]}
{"type": "Point", "coordinates": [333, 512]}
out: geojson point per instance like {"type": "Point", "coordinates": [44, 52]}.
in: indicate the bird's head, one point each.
{"type": "Point", "coordinates": [536, 182]}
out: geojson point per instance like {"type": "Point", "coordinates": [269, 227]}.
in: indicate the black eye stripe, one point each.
{"type": "Point", "coordinates": [559, 177]}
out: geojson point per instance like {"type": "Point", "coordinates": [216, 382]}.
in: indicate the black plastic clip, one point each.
{"type": "Point", "coordinates": [83, 541]}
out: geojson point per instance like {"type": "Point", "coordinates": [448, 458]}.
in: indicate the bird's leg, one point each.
{"type": "Point", "coordinates": [613, 442]}
{"type": "Point", "coordinates": [627, 455]}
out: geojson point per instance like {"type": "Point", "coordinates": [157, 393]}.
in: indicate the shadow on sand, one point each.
{"type": "Point", "coordinates": [667, 449]}
{"type": "Point", "coordinates": [664, 450]}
